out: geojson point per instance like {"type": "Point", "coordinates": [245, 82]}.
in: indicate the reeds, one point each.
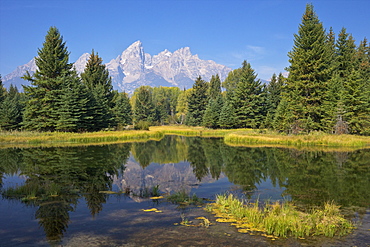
{"type": "Point", "coordinates": [280, 219]}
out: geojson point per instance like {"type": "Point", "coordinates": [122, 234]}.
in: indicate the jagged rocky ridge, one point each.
{"type": "Point", "coordinates": [134, 68]}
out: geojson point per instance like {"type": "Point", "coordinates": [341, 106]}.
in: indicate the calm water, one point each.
{"type": "Point", "coordinates": [60, 200]}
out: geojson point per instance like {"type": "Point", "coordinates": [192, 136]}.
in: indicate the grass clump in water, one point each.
{"type": "Point", "coordinates": [183, 198]}
{"type": "Point", "coordinates": [280, 219]}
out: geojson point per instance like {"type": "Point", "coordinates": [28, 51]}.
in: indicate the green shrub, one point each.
{"type": "Point", "coordinates": [142, 125]}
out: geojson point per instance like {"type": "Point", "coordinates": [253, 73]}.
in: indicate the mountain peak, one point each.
{"type": "Point", "coordinates": [134, 68]}
{"type": "Point", "coordinates": [81, 62]}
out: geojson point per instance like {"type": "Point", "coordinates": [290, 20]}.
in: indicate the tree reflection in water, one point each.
{"type": "Point", "coordinates": [59, 177]}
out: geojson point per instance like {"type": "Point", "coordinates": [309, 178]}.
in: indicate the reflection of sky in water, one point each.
{"type": "Point", "coordinates": [13, 181]}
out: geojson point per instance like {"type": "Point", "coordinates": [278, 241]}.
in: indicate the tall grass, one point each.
{"type": "Point", "coordinates": [313, 139]}
{"type": "Point", "coordinates": [35, 138]}
{"type": "Point", "coordinates": [194, 131]}
{"type": "Point", "coordinates": [236, 137]}
{"type": "Point", "coordinates": [280, 219]}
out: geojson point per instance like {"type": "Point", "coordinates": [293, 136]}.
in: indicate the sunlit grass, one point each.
{"type": "Point", "coordinates": [313, 139]}
{"type": "Point", "coordinates": [36, 138]}
{"type": "Point", "coordinates": [194, 131]}
{"type": "Point", "coordinates": [235, 137]}
{"type": "Point", "coordinates": [280, 219]}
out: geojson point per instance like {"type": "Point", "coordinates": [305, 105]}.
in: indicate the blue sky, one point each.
{"type": "Point", "coordinates": [226, 31]}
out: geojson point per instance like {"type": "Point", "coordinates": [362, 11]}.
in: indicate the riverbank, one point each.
{"type": "Point", "coordinates": [234, 137]}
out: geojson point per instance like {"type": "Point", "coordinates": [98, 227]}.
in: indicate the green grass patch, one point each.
{"type": "Point", "coordinates": [234, 137]}
{"type": "Point", "coordinates": [280, 219]}
{"type": "Point", "coordinates": [19, 138]}
{"type": "Point", "coordinates": [241, 138]}
{"type": "Point", "coordinates": [183, 198]}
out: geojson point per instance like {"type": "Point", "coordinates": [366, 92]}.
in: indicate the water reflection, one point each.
{"type": "Point", "coordinates": [59, 177]}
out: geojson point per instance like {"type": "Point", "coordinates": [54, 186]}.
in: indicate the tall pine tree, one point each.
{"type": "Point", "coordinates": [197, 103]}
{"type": "Point", "coordinates": [248, 99]}
{"type": "Point", "coordinates": [98, 82]}
{"type": "Point", "coordinates": [11, 108]}
{"type": "Point", "coordinates": [309, 72]}
{"type": "Point", "coordinates": [212, 113]}
{"type": "Point", "coordinates": [45, 92]}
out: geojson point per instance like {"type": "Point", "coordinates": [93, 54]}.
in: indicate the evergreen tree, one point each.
{"type": "Point", "coordinates": [309, 72]}
{"type": "Point", "coordinates": [227, 115]}
{"type": "Point", "coordinates": [11, 110]}
{"type": "Point", "coordinates": [143, 105]}
{"type": "Point", "coordinates": [2, 90]}
{"type": "Point", "coordinates": [74, 109]}
{"type": "Point", "coordinates": [248, 99]}
{"type": "Point", "coordinates": [214, 90]}
{"type": "Point", "coordinates": [357, 104]}
{"type": "Point", "coordinates": [362, 60]}
{"type": "Point", "coordinates": [273, 97]}
{"type": "Point", "coordinates": [197, 103]}
{"type": "Point", "coordinates": [53, 70]}
{"type": "Point", "coordinates": [98, 82]}
{"type": "Point", "coordinates": [212, 113]}
{"type": "Point", "coordinates": [122, 110]}
{"type": "Point", "coordinates": [345, 54]}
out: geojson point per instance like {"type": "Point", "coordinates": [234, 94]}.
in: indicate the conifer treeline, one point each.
{"type": "Point", "coordinates": [327, 89]}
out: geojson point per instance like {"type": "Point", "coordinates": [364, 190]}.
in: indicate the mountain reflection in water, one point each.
{"type": "Point", "coordinates": [56, 180]}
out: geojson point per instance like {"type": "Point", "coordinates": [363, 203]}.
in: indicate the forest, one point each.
{"type": "Point", "coordinates": [327, 89]}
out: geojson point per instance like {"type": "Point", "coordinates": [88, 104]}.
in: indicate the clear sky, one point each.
{"type": "Point", "coordinates": [226, 31]}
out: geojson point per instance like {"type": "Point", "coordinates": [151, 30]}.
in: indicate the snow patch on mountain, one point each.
{"type": "Point", "coordinates": [134, 68]}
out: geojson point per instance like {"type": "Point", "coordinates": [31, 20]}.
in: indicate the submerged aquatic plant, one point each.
{"type": "Point", "coordinates": [280, 219]}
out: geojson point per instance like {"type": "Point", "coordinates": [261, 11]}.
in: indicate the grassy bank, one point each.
{"type": "Point", "coordinates": [241, 138]}
{"type": "Point", "coordinates": [279, 219]}
{"type": "Point", "coordinates": [195, 131]}
{"type": "Point", "coordinates": [235, 137]}
{"type": "Point", "coordinates": [17, 138]}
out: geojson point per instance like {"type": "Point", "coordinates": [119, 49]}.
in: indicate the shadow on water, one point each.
{"type": "Point", "coordinates": [61, 188]}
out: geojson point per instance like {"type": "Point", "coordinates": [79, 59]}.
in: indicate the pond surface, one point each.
{"type": "Point", "coordinates": [60, 196]}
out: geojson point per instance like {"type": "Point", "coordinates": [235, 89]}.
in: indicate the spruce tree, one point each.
{"type": "Point", "coordinates": [122, 110]}
{"type": "Point", "coordinates": [11, 109]}
{"type": "Point", "coordinates": [212, 113]}
{"type": "Point", "coordinates": [98, 82]}
{"type": "Point", "coordinates": [214, 90]}
{"type": "Point", "coordinates": [228, 116]}
{"type": "Point", "coordinates": [74, 107]}
{"type": "Point", "coordinates": [309, 72]}
{"type": "Point", "coordinates": [197, 103]}
{"type": "Point", "coordinates": [213, 109]}
{"type": "Point", "coordinates": [2, 90]}
{"type": "Point", "coordinates": [273, 97]}
{"type": "Point", "coordinates": [53, 70]}
{"type": "Point", "coordinates": [248, 99]}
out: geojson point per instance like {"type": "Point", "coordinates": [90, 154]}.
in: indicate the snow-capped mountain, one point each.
{"type": "Point", "coordinates": [133, 68]}
{"type": "Point", "coordinates": [15, 77]}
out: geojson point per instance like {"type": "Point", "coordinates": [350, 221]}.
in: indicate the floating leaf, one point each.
{"type": "Point", "coordinates": [243, 230]}
{"type": "Point", "coordinates": [150, 210]}
{"type": "Point", "coordinates": [156, 197]}
{"type": "Point", "coordinates": [107, 192]}
{"type": "Point", "coordinates": [226, 220]}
